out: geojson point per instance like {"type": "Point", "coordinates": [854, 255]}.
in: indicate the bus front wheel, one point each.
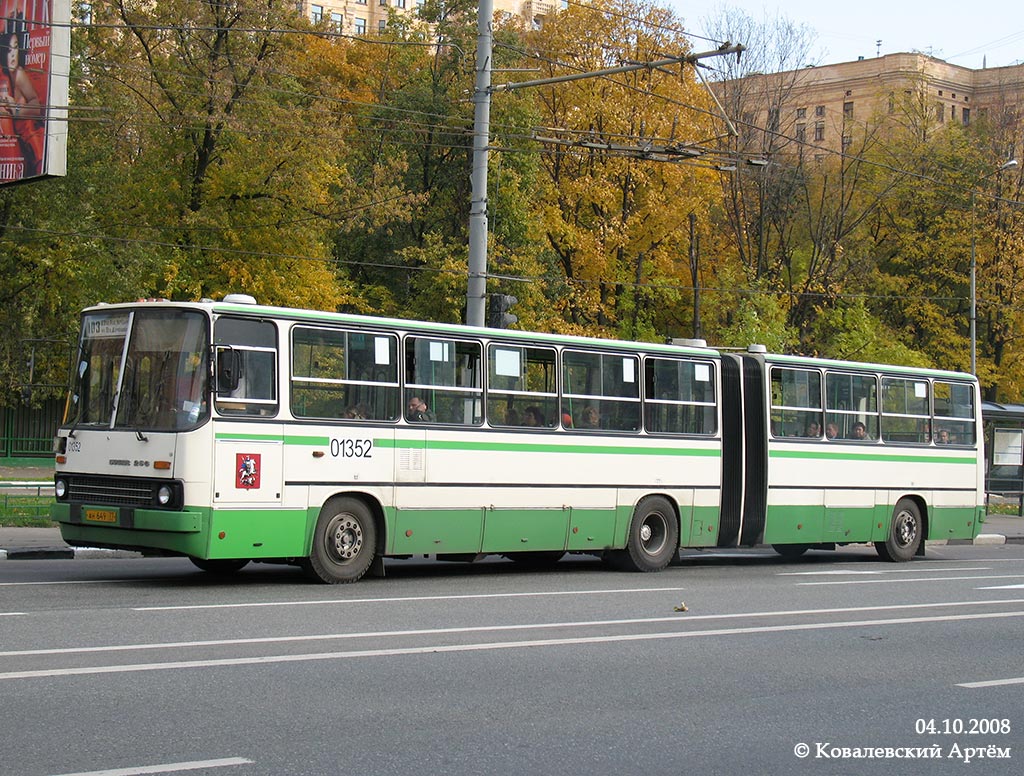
{"type": "Point", "coordinates": [905, 533]}
{"type": "Point", "coordinates": [344, 542]}
{"type": "Point", "coordinates": [653, 537]}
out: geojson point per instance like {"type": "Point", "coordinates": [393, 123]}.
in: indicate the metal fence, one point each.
{"type": "Point", "coordinates": [27, 432]}
{"type": "Point", "coordinates": [25, 499]}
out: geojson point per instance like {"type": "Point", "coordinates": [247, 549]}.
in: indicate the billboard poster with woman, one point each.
{"type": "Point", "coordinates": [34, 54]}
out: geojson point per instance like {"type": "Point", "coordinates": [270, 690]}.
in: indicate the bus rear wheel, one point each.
{"type": "Point", "coordinates": [344, 542]}
{"type": "Point", "coordinates": [905, 533]}
{"type": "Point", "coordinates": [653, 537]}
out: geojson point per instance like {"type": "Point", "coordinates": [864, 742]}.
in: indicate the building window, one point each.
{"type": "Point", "coordinates": [773, 119]}
{"type": "Point", "coordinates": [316, 13]}
{"type": "Point", "coordinates": [801, 113]}
{"type": "Point", "coordinates": [360, 26]}
{"type": "Point", "coordinates": [819, 110]}
{"type": "Point", "coordinates": [382, 25]}
{"type": "Point", "coordinates": [940, 114]}
{"type": "Point", "coordinates": [337, 20]}
{"type": "Point", "coordinates": [383, 2]}
{"type": "Point", "coordinates": [966, 117]}
{"type": "Point", "coordinates": [399, 3]}
{"type": "Point", "coordinates": [360, 2]}
{"type": "Point", "coordinates": [801, 133]}
{"type": "Point", "coordinates": [819, 131]}
{"type": "Point", "coordinates": [847, 110]}
{"type": "Point", "coordinates": [952, 112]}
{"type": "Point", "coordinates": [847, 142]}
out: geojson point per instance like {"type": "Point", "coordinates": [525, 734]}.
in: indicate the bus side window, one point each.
{"type": "Point", "coordinates": [246, 368]}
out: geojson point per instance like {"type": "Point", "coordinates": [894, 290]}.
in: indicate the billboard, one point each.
{"type": "Point", "coordinates": [35, 54]}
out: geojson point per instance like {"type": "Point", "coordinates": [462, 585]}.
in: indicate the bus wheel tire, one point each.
{"type": "Point", "coordinates": [537, 559]}
{"type": "Point", "coordinates": [653, 539]}
{"type": "Point", "coordinates": [791, 550]}
{"type": "Point", "coordinates": [344, 542]}
{"type": "Point", "coordinates": [219, 567]}
{"type": "Point", "coordinates": [905, 533]}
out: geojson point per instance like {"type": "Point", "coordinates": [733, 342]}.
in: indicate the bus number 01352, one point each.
{"type": "Point", "coordinates": [351, 448]}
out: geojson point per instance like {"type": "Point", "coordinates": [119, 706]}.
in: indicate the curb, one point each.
{"type": "Point", "coordinates": [65, 553]}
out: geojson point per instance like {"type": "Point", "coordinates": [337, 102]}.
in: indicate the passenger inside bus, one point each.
{"type": "Point", "coordinates": [859, 432]}
{"type": "Point", "coordinates": [590, 418]}
{"type": "Point", "coordinates": [418, 411]}
{"type": "Point", "coordinates": [532, 417]}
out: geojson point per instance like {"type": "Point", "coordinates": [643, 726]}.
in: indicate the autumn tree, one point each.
{"type": "Point", "coordinates": [615, 214]}
{"type": "Point", "coordinates": [227, 142]}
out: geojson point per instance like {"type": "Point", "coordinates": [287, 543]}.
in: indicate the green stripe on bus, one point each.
{"type": "Point", "coordinates": [851, 456]}
{"type": "Point", "coordinates": [512, 447]}
{"type": "Point", "coordinates": [524, 447]}
{"type": "Point", "coordinates": [288, 439]}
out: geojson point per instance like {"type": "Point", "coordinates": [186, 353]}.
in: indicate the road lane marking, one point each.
{"type": "Point", "coordinates": [405, 599]}
{"type": "Point", "coordinates": [993, 683]}
{"type": "Point", "coordinates": [844, 572]}
{"type": "Point", "coordinates": [194, 765]}
{"type": "Point", "coordinates": [12, 614]}
{"type": "Point", "coordinates": [66, 582]}
{"type": "Point", "coordinates": [1001, 587]}
{"type": "Point", "coordinates": [488, 646]}
{"type": "Point", "coordinates": [890, 581]}
{"type": "Point", "coordinates": [492, 628]}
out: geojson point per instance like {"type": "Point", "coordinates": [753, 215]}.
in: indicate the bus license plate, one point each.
{"type": "Point", "coordinates": [101, 515]}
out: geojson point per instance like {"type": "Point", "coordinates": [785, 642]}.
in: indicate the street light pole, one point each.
{"type": "Point", "coordinates": [974, 266]}
{"type": "Point", "coordinates": [974, 296]}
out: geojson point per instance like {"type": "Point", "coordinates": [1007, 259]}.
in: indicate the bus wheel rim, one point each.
{"type": "Point", "coordinates": [906, 529]}
{"type": "Point", "coordinates": [652, 534]}
{"type": "Point", "coordinates": [344, 537]}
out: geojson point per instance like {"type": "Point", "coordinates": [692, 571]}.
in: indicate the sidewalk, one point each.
{"type": "Point", "coordinates": [37, 543]}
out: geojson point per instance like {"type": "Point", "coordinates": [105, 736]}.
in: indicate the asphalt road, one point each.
{"type": "Point", "coordinates": [149, 666]}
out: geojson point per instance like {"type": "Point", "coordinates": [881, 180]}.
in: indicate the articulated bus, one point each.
{"type": "Point", "coordinates": [229, 432]}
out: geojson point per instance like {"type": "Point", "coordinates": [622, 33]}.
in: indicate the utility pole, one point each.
{"type": "Point", "coordinates": [476, 289]}
{"type": "Point", "coordinates": [698, 332]}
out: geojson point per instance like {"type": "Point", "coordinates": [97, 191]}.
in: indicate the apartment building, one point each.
{"type": "Point", "coordinates": [361, 17]}
{"type": "Point", "coordinates": [822, 107]}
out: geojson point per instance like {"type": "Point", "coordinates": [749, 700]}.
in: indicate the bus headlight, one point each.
{"type": "Point", "coordinates": [164, 495]}
{"type": "Point", "coordinates": [60, 488]}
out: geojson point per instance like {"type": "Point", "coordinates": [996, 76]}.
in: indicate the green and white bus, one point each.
{"type": "Point", "coordinates": [230, 432]}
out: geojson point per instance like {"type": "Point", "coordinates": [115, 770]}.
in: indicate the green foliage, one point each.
{"type": "Point", "coordinates": [850, 332]}
{"type": "Point", "coordinates": [759, 318]}
{"type": "Point", "coordinates": [227, 154]}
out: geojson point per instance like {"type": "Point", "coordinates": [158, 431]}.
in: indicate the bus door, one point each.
{"type": "Point", "coordinates": [248, 471]}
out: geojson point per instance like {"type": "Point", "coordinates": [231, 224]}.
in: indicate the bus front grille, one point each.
{"type": "Point", "coordinates": [115, 491]}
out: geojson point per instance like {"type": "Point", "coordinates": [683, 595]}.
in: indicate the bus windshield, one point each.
{"type": "Point", "coordinates": [142, 370]}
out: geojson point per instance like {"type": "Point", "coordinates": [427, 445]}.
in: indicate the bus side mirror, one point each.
{"type": "Point", "coordinates": [229, 370]}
